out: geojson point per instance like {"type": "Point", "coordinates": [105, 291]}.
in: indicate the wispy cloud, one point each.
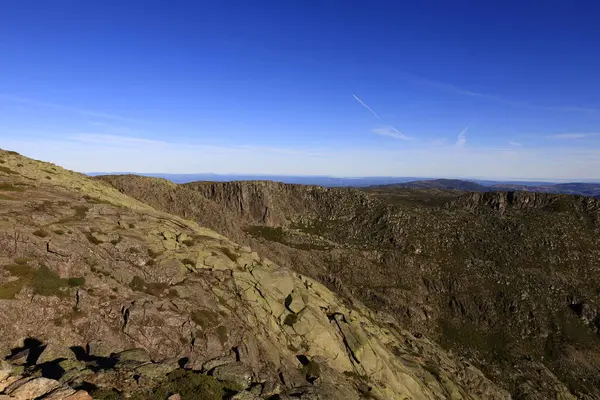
{"type": "Point", "coordinates": [389, 131]}
{"type": "Point", "coordinates": [569, 136]}
{"type": "Point", "coordinates": [510, 102]}
{"type": "Point", "coordinates": [114, 140]}
{"type": "Point", "coordinates": [385, 131]}
{"type": "Point", "coordinates": [46, 104]}
{"type": "Point", "coordinates": [515, 144]}
{"type": "Point", "coordinates": [462, 138]}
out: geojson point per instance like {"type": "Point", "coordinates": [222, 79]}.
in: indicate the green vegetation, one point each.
{"type": "Point", "coordinates": [74, 282]}
{"type": "Point", "coordinates": [22, 260]}
{"type": "Point", "coordinates": [273, 234]}
{"type": "Point", "coordinates": [9, 290]}
{"type": "Point", "coordinates": [44, 281]}
{"type": "Point", "coordinates": [277, 234]}
{"type": "Point", "coordinates": [189, 385]}
{"type": "Point", "coordinates": [107, 394]}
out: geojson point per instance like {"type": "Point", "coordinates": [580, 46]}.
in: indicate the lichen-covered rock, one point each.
{"type": "Point", "coordinates": [236, 373]}
{"type": "Point", "coordinates": [153, 286]}
{"type": "Point", "coordinates": [33, 388]}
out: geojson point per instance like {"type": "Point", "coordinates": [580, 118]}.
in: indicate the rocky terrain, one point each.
{"type": "Point", "coordinates": [508, 279]}
{"type": "Point", "coordinates": [106, 297]}
{"type": "Point", "coordinates": [575, 188]}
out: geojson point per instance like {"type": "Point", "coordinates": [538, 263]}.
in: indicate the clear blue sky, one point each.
{"type": "Point", "coordinates": [345, 88]}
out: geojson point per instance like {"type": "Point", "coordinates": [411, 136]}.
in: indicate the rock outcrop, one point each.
{"type": "Point", "coordinates": [507, 279]}
{"type": "Point", "coordinates": [104, 294]}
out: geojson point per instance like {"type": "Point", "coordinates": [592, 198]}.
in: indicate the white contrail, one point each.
{"type": "Point", "coordinates": [398, 134]}
{"type": "Point", "coordinates": [367, 107]}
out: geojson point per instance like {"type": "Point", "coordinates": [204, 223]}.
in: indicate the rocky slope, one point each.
{"type": "Point", "coordinates": [103, 295]}
{"type": "Point", "coordinates": [510, 280]}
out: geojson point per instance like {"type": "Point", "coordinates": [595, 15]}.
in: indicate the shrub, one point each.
{"type": "Point", "coordinates": [73, 282]}
{"type": "Point", "coordinates": [190, 386]}
{"type": "Point", "coordinates": [47, 283]}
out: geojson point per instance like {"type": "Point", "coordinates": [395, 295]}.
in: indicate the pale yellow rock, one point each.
{"type": "Point", "coordinates": [34, 388]}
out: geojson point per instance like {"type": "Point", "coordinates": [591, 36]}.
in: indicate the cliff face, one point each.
{"type": "Point", "coordinates": [509, 280]}
{"type": "Point", "coordinates": [104, 294]}
{"type": "Point", "coordinates": [501, 201]}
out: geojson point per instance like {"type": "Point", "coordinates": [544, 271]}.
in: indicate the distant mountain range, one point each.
{"type": "Point", "coordinates": [326, 181]}
{"type": "Point", "coordinates": [578, 188]}
{"type": "Point", "coordinates": [581, 188]}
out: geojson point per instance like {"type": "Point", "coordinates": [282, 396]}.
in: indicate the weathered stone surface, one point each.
{"type": "Point", "coordinates": [154, 371]}
{"type": "Point", "coordinates": [79, 395]}
{"type": "Point", "coordinates": [139, 355]}
{"type": "Point", "coordinates": [33, 388]}
{"type": "Point", "coordinates": [53, 351]}
{"type": "Point", "coordinates": [192, 315]}
{"type": "Point", "coordinates": [60, 393]}
{"type": "Point", "coordinates": [236, 373]}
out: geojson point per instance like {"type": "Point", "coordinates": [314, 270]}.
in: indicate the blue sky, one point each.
{"type": "Point", "coordinates": [488, 89]}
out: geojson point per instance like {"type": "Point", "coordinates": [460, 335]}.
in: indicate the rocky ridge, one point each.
{"type": "Point", "coordinates": [508, 279]}
{"type": "Point", "coordinates": [106, 295]}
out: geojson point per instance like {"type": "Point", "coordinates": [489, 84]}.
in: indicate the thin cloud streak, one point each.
{"type": "Point", "coordinates": [367, 107]}
{"type": "Point", "coordinates": [89, 113]}
{"type": "Point", "coordinates": [515, 144]}
{"type": "Point", "coordinates": [114, 140]}
{"type": "Point", "coordinates": [389, 131]}
{"type": "Point", "coordinates": [462, 138]}
{"type": "Point", "coordinates": [394, 132]}
{"type": "Point", "coordinates": [569, 136]}
{"type": "Point", "coordinates": [466, 92]}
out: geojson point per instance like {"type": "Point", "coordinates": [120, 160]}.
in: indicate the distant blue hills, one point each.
{"type": "Point", "coordinates": [588, 188]}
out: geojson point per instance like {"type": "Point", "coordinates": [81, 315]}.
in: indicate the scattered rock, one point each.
{"type": "Point", "coordinates": [139, 355]}
{"type": "Point", "coordinates": [33, 388]}
{"type": "Point", "coordinates": [154, 371]}
{"type": "Point", "coordinates": [237, 373]}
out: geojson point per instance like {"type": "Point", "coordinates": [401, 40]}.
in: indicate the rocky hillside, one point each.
{"type": "Point", "coordinates": [104, 296]}
{"type": "Point", "coordinates": [511, 280]}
